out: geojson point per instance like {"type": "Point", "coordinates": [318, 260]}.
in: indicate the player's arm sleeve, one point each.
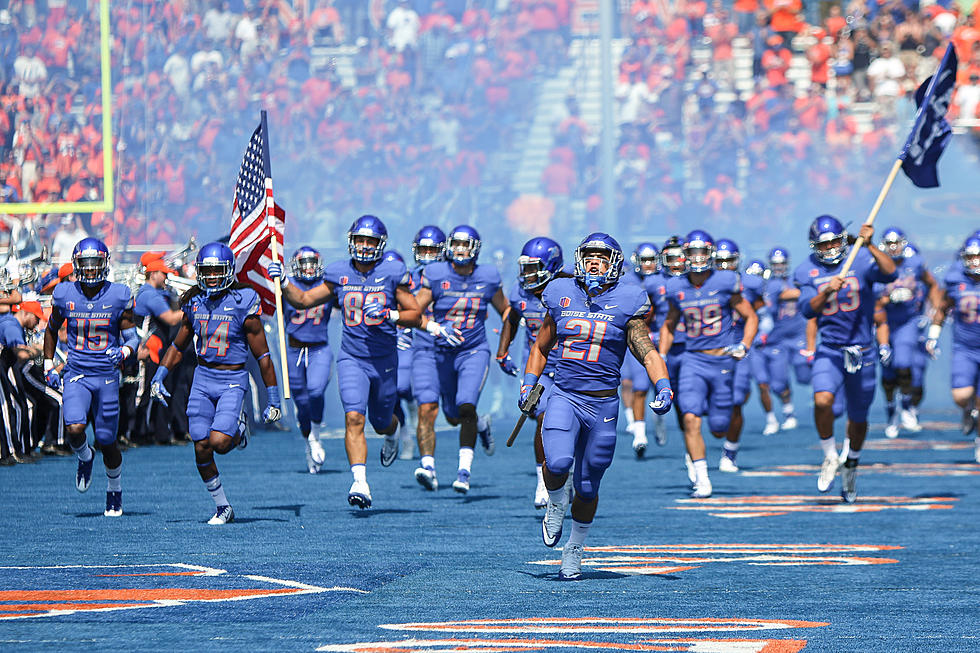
{"type": "Point", "coordinates": [807, 292]}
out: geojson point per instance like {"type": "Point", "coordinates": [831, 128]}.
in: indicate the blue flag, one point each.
{"type": "Point", "coordinates": [931, 132]}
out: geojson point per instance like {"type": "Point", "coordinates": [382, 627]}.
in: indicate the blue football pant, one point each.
{"type": "Point", "coordinates": [309, 374]}
{"type": "Point", "coordinates": [858, 388]}
{"type": "Point", "coordinates": [369, 386]}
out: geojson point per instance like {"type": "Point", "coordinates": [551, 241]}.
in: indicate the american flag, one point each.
{"type": "Point", "coordinates": [254, 217]}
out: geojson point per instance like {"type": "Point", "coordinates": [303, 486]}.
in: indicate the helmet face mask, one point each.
{"type": "Point", "coordinates": [90, 260]}
{"type": "Point", "coordinates": [463, 245]}
{"type": "Point", "coordinates": [598, 260]}
{"type": "Point", "coordinates": [215, 268]}
{"type": "Point", "coordinates": [539, 262]}
{"type": "Point", "coordinates": [779, 263]}
{"type": "Point", "coordinates": [970, 256]}
{"type": "Point", "coordinates": [673, 261]}
{"type": "Point", "coordinates": [699, 251]}
{"type": "Point", "coordinates": [531, 273]}
{"type": "Point", "coordinates": [366, 239]}
{"type": "Point", "coordinates": [726, 261]}
{"type": "Point", "coordinates": [828, 240]}
{"type": "Point", "coordinates": [893, 243]}
{"type": "Point", "coordinates": [645, 260]}
{"type": "Point", "coordinates": [429, 245]}
{"type": "Point", "coordinates": [306, 264]}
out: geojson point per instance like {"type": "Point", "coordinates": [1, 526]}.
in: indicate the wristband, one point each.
{"type": "Point", "coordinates": [432, 327]}
{"type": "Point", "coordinates": [502, 357]}
{"type": "Point", "coordinates": [272, 392]}
{"type": "Point", "coordinates": [48, 365]}
{"type": "Point", "coordinates": [393, 315]}
{"type": "Point", "coordinates": [934, 331]}
{"type": "Point", "coordinates": [127, 351]}
{"type": "Point", "coordinates": [261, 357]}
{"type": "Point", "coordinates": [530, 379]}
{"type": "Point", "coordinates": [662, 384]}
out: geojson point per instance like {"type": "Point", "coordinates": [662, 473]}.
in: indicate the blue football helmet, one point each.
{"type": "Point", "coordinates": [306, 264]}
{"type": "Point", "coordinates": [779, 262]}
{"type": "Point", "coordinates": [699, 250]}
{"type": "Point", "coordinates": [672, 257]}
{"type": "Point", "coordinates": [393, 255]}
{"type": "Point", "coordinates": [604, 247]}
{"type": "Point", "coordinates": [90, 258]}
{"type": "Point", "coordinates": [893, 242]}
{"type": "Point", "coordinates": [215, 268]}
{"type": "Point", "coordinates": [463, 245]}
{"type": "Point", "coordinates": [726, 255]}
{"type": "Point", "coordinates": [756, 268]}
{"type": "Point", "coordinates": [828, 239]}
{"type": "Point", "coordinates": [373, 228]}
{"type": "Point", "coordinates": [429, 245]}
{"type": "Point", "coordinates": [540, 261]}
{"type": "Point", "coordinates": [645, 259]}
{"type": "Point", "coordinates": [970, 255]}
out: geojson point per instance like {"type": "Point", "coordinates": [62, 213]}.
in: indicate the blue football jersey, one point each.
{"type": "Point", "coordinates": [149, 304]}
{"type": "Point", "coordinates": [11, 332]}
{"type": "Point", "coordinates": [93, 324]}
{"type": "Point", "coordinates": [462, 300]}
{"type": "Point", "coordinates": [591, 332]}
{"type": "Point", "coordinates": [848, 317]}
{"type": "Point", "coordinates": [656, 287]}
{"type": "Point", "coordinates": [788, 323]}
{"type": "Point", "coordinates": [964, 290]}
{"type": "Point", "coordinates": [707, 311]}
{"type": "Point", "coordinates": [219, 325]}
{"type": "Point", "coordinates": [366, 337]}
{"type": "Point", "coordinates": [529, 308]}
{"type": "Point", "coordinates": [307, 324]}
{"type": "Point", "coordinates": [909, 276]}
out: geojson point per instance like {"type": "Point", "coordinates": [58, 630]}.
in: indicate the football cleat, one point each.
{"type": "Point", "coordinates": [554, 518]}
{"type": "Point", "coordinates": [359, 495]}
{"type": "Point", "coordinates": [406, 448]}
{"type": "Point", "coordinates": [969, 421]}
{"type": "Point", "coordinates": [692, 475]}
{"type": "Point", "coordinates": [827, 472]}
{"type": "Point", "coordinates": [311, 464]}
{"type": "Point", "coordinates": [702, 490]}
{"type": "Point", "coordinates": [83, 476]}
{"type": "Point", "coordinates": [242, 431]}
{"type": "Point", "coordinates": [389, 450]}
{"type": "Point", "coordinates": [891, 431]}
{"type": "Point", "coordinates": [571, 562]}
{"type": "Point", "coordinates": [660, 430]}
{"type": "Point", "coordinates": [910, 422]}
{"type": "Point", "coordinates": [540, 495]}
{"type": "Point", "coordinates": [426, 476]}
{"type": "Point", "coordinates": [639, 443]}
{"type": "Point", "coordinates": [462, 482]}
{"type": "Point", "coordinates": [772, 425]}
{"type": "Point", "coordinates": [726, 464]}
{"type": "Point", "coordinates": [789, 423]}
{"type": "Point", "coordinates": [113, 504]}
{"type": "Point", "coordinates": [222, 515]}
{"type": "Point", "coordinates": [848, 480]}
{"type": "Point", "coordinates": [486, 439]}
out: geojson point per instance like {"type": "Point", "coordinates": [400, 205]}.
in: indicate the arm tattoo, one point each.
{"type": "Point", "coordinates": [638, 334]}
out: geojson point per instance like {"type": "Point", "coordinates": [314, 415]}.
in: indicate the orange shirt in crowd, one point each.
{"type": "Point", "coordinates": [746, 6]}
{"type": "Point", "coordinates": [783, 15]}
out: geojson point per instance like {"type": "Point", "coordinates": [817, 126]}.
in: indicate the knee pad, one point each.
{"type": "Point", "coordinates": [467, 413]}
{"type": "Point", "coordinates": [561, 465]}
{"type": "Point", "coordinates": [719, 422]}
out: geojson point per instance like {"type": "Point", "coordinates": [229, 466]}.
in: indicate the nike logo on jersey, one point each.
{"type": "Point", "coordinates": [234, 385]}
{"type": "Point", "coordinates": [608, 419]}
{"type": "Point", "coordinates": [390, 369]}
{"type": "Point", "coordinates": [107, 306]}
{"type": "Point", "coordinates": [378, 279]}
{"type": "Point", "coordinates": [712, 292]}
{"type": "Point", "coordinates": [480, 286]}
{"type": "Point", "coordinates": [608, 306]}
{"type": "Point", "coordinates": [108, 381]}
{"type": "Point", "coordinates": [229, 308]}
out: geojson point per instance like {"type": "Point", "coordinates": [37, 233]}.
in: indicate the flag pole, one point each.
{"type": "Point", "coordinates": [270, 221]}
{"type": "Point", "coordinates": [871, 216]}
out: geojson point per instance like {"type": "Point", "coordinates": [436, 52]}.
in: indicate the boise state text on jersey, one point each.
{"type": "Point", "coordinates": [462, 300]}
{"type": "Point", "coordinates": [93, 324]}
{"type": "Point", "coordinates": [591, 332]}
{"type": "Point", "coordinates": [219, 325]}
{"type": "Point", "coordinates": [847, 318]}
{"type": "Point", "coordinates": [366, 337]}
{"type": "Point", "coordinates": [706, 311]}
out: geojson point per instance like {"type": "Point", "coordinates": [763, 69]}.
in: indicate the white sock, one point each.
{"type": "Point", "coordinates": [540, 472]}
{"type": "Point", "coordinates": [630, 420]}
{"type": "Point", "coordinates": [846, 449]}
{"type": "Point", "coordinates": [314, 432]}
{"type": "Point", "coordinates": [788, 409]}
{"type": "Point", "coordinates": [114, 479]}
{"type": "Point", "coordinates": [770, 416]}
{"type": "Point", "coordinates": [217, 490]}
{"type": "Point", "coordinates": [359, 472]}
{"type": "Point", "coordinates": [465, 458]}
{"type": "Point", "coordinates": [429, 461]}
{"type": "Point", "coordinates": [85, 453]}
{"type": "Point", "coordinates": [829, 447]}
{"type": "Point", "coordinates": [639, 430]}
{"type": "Point", "coordinates": [853, 455]}
{"type": "Point", "coordinates": [730, 446]}
{"type": "Point", "coordinates": [482, 423]}
{"type": "Point", "coordinates": [579, 531]}
{"type": "Point", "coordinates": [701, 470]}
{"type": "Point", "coordinates": [557, 496]}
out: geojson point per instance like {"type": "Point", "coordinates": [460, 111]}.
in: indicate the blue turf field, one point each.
{"type": "Point", "coordinates": [767, 564]}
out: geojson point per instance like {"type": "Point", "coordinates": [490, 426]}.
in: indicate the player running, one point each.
{"type": "Point", "coordinates": [428, 246]}
{"type": "Point", "coordinates": [845, 358]}
{"type": "Point", "coordinates": [308, 354]}
{"type": "Point", "coordinates": [903, 307]}
{"type": "Point", "coordinates": [459, 291]}
{"type": "Point", "coordinates": [406, 443]}
{"type": "Point", "coordinates": [223, 315]}
{"type": "Point", "coordinates": [591, 318]}
{"type": "Point", "coordinates": [706, 300]}
{"type": "Point", "coordinates": [374, 296]}
{"type": "Point", "coordinates": [962, 296]}
{"type": "Point", "coordinates": [101, 335]}
{"type": "Point", "coordinates": [541, 261]}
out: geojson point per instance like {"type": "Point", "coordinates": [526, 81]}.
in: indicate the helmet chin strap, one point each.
{"type": "Point", "coordinates": [594, 282]}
